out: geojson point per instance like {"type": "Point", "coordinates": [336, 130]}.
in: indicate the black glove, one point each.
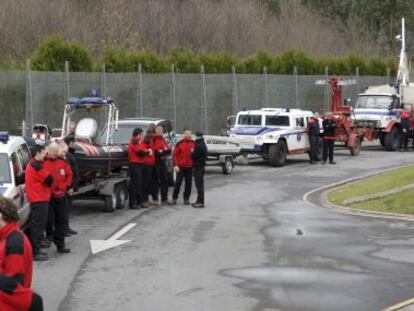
{"type": "Point", "coordinates": [7, 284]}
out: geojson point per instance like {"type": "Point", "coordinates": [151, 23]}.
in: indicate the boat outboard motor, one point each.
{"type": "Point", "coordinates": [86, 129]}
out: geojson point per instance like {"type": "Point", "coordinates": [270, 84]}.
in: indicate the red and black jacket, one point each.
{"type": "Point", "coordinates": [183, 153]}
{"type": "Point", "coordinates": [149, 160]}
{"type": "Point", "coordinates": [160, 147]}
{"type": "Point", "coordinates": [38, 182]}
{"type": "Point", "coordinates": [137, 151]}
{"type": "Point", "coordinates": [62, 176]}
{"type": "Point", "coordinates": [16, 258]}
{"type": "Point", "coordinates": [329, 127]}
{"type": "Point", "coordinates": [16, 267]}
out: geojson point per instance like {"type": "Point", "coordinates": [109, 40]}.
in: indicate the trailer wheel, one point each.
{"type": "Point", "coordinates": [277, 154]}
{"type": "Point", "coordinates": [121, 195]}
{"type": "Point", "coordinates": [392, 140]}
{"type": "Point", "coordinates": [356, 147]}
{"type": "Point", "coordinates": [227, 166]}
{"type": "Point", "coordinates": [110, 203]}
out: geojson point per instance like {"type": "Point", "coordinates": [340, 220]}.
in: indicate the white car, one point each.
{"type": "Point", "coordinates": [272, 133]}
{"type": "Point", "coordinates": [14, 156]}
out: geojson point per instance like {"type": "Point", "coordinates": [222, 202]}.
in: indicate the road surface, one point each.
{"type": "Point", "coordinates": [257, 246]}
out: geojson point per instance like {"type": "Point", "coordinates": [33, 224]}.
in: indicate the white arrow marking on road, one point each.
{"type": "Point", "coordinates": [98, 246]}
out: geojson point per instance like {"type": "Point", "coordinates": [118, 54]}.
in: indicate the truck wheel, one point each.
{"type": "Point", "coordinates": [356, 147]}
{"type": "Point", "coordinates": [392, 140]}
{"type": "Point", "coordinates": [277, 154]}
{"type": "Point", "coordinates": [227, 166]}
{"type": "Point", "coordinates": [121, 195]}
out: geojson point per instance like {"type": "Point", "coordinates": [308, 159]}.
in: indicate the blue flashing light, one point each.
{"type": "Point", "coordinates": [95, 93]}
{"type": "Point", "coordinates": [74, 101]}
{"type": "Point", "coordinates": [4, 137]}
{"type": "Point", "coordinates": [92, 101]}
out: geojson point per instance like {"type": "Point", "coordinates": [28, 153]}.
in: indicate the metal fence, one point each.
{"type": "Point", "coordinates": [197, 101]}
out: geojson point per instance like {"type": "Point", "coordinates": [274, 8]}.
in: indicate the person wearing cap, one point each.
{"type": "Point", "coordinates": [137, 152]}
{"type": "Point", "coordinates": [73, 188]}
{"type": "Point", "coordinates": [161, 151]}
{"type": "Point", "coordinates": [199, 156]}
{"type": "Point", "coordinates": [62, 179]}
{"type": "Point", "coordinates": [38, 191]}
{"type": "Point", "coordinates": [16, 263]}
{"type": "Point", "coordinates": [313, 131]}
{"type": "Point", "coordinates": [328, 136]}
{"type": "Point", "coordinates": [183, 166]}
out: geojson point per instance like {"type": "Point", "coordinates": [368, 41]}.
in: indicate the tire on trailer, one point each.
{"type": "Point", "coordinates": [392, 139]}
{"type": "Point", "coordinates": [356, 147]}
{"type": "Point", "coordinates": [277, 153]}
{"type": "Point", "coordinates": [227, 166]}
{"type": "Point", "coordinates": [121, 191]}
{"type": "Point", "coordinates": [111, 201]}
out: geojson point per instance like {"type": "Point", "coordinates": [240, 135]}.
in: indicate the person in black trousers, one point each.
{"type": "Point", "coordinates": [328, 136]}
{"type": "Point", "coordinates": [313, 131]}
{"type": "Point", "coordinates": [70, 142]}
{"type": "Point", "coordinates": [161, 150]}
{"type": "Point", "coordinates": [199, 162]}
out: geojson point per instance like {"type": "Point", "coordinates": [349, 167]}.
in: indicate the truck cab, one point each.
{"type": "Point", "coordinates": [14, 156]}
{"type": "Point", "coordinates": [272, 133]}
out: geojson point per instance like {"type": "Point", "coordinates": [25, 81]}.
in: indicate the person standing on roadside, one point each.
{"type": "Point", "coordinates": [16, 263]}
{"type": "Point", "coordinates": [328, 136]}
{"type": "Point", "coordinates": [38, 191]}
{"type": "Point", "coordinates": [62, 179]}
{"type": "Point", "coordinates": [313, 131]}
{"type": "Point", "coordinates": [137, 152]}
{"type": "Point", "coordinates": [405, 129]}
{"type": "Point", "coordinates": [199, 156]}
{"type": "Point", "coordinates": [150, 176]}
{"type": "Point", "coordinates": [161, 150]}
{"type": "Point", "coordinates": [183, 166]}
{"type": "Point", "coordinates": [73, 188]}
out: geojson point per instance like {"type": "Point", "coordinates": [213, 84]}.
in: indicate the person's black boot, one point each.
{"type": "Point", "coordinates": [63, 250]}
{"type": "Point", "coordinates": [72, 232]}
{"type": "Point", "coordinates": [40, 257]}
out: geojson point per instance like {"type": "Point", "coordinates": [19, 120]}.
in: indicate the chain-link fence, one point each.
{"type": "Point", "coordinates": [197, 101]}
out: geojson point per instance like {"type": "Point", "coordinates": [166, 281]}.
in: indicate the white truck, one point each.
{"type": "Point", "coordinates": [378, 109]}
{"type": "Point", "coordinates": [272, 133]}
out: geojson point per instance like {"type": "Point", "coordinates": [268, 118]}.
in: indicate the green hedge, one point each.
{"type": "Point", "coordinates": [54, 51]}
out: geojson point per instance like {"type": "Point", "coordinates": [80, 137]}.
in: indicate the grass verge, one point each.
{"type": "Point", "coordinates": [379, 183]}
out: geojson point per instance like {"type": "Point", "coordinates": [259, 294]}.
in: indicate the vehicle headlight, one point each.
{"type": "Point", "coordinates": [270, 136]}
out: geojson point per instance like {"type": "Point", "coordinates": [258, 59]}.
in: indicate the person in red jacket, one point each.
{"type": "Point", "coordinates": [16, 263]}
{"type": "Point", "coordinates": [183, 166]}
{"type": "Point", "coordinates": [137, 151]}
{"type": "Point", "coordinates": [150, 177]}
{"type": "Point", "coordinates": [62, 175]}
{"type": "Point", "coordinates": [38, 190]}
{"type": "Point", "coordinates": [161, 151]}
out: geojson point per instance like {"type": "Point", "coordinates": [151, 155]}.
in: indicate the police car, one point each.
{"type": "Point", "coordinates": [272, 133]}
{"type": "Point", "coordinates": [14, 156]}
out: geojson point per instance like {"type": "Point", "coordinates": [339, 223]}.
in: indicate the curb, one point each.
{"type": "Point", "coordinates": [325, 203]}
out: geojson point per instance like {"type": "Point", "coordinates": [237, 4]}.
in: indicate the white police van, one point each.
{"type": "Point", "coordinates": [272, 133]}
{"type": "Point", "coordinates": [14, 156]}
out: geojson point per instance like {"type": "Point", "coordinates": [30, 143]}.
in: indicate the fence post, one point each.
{"type": "Point", "coordinates": [67, 82]}
{"type": "Point", "coordinates": [103, 69]}
{"type": "Point", "coordinates": [265, 89]}
{"type": "Point", "coordinates": [357, 79]}
{"type": "Point", "coordinates": [295, 74]}
{"type": "Point", "coordinates": [235, 107]}
{"type": "Point", "coordinates": [29, 95]}
{"type": "Point", "coordinates": [23, 128]}
{"type": "Point", "coordinates": [173, 102]}
{"type": "Point", "coordinates": [327, 88]}
{"type": "Point", "coordinates": [204, 111]}
{"type": "Point", "coordinates": [139, 92]}
{"type": "Point", "coordinates": [388, 75]}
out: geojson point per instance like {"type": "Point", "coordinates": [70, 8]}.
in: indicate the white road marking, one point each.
{"type": "Point", "coordinates": [98, 246]}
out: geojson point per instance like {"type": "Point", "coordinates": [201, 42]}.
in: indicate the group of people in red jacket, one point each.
{"type": "Point", "coordinates": [50, 179]}
{"type": "Point", "coordinates": [148, 153]}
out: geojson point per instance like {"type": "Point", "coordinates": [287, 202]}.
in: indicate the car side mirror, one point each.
{"type": "Point", "coordinates": [20, 179]}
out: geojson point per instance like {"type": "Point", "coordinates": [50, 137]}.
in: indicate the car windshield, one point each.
{"type": "Point", "coordinates": [5, 176]}
{"type": "Point", "coordinates": [277, 120]}
{"type": "Point", "coordinates": [124, 133]}
{"type": "Point", "coordinates": [374, 102]}
{"type": "Point", "coordinates": [250, 119]}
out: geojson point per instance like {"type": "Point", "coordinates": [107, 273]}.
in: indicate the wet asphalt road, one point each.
{"type": "Point", "coordinates": [242, 252]}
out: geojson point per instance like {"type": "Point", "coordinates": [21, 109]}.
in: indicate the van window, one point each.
{"type": "Point", "coordinates": [250, 119]}
{"type": "Point", "coordinates": [300, 122]}
{"type": "Point", "coordinates": [17, 168]}
{"type": "Point", "coordinates": [5, 176]}
{"type": "Point", "coordinates": [24, 155]}
{"type": "Point", "coordinates": [277, 120]}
